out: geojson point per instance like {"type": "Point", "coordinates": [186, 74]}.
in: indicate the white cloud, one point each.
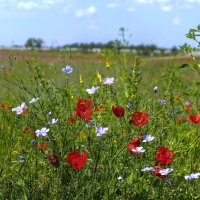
{"type": "Point", "coordinates": [193, 1]}
{"type": "Point", "coordinates": [168, 1]}
{"type": "Point", "coordinates": [27, 5]}
{"type": "Point", "coordinates": [111, 5]}
{"type": "Point", "coordinates": [144, 1]}
{"type": "Point", "coordinates": [91, 10]}
{"type": "Point", "coordinates": [167, 8]}
{"type": "Point", "coordinates": [86, 12]}
{"type": "Point", "coordinates": [177, 21]}
{"type": "Point", "coordinates": [131, 9]}
{"type": "Point", "coordinates": [48, 2]}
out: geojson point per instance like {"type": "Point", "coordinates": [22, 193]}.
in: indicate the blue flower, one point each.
{"type": "Point", "coordinates": [87, 126]}
{"type": "Point", "coordinates": [162, 101]}
{"type": "Point", "coordinates": [42, 132]}
{"type": "Point", "coordinates": [165, 172]}
{"type": "Point", "coordinates": [130, 105]}
{"type": "Point", "coordinates": [93, 121]}
{"type": "Point", "coordinates": [192, 176]}
{"type": "Point", "coordinates": [148, 169]}
{"type": "Point", "coordinates": [108, 81]}
{"type": "Point", "coordinates": [169, 181]}
{"type": "Point", "coordinates": [187, 103]}
{"type": "Point", "coordinates": [148, 138]}
{"type": "Point", "coordinates": [138, 150]}
{"type": "Point", "coordinates": [19, 109]}
{"type": "Point", "coordinates": [53, 121]}
{"type": "Point", "coordinates": [21, 159]}
{"type": "Point", "coordinates": [101, 130]}
{"type": "Point", "coordinates": [67, 69]}
{"type": "Point", "coordinates": [34, 100]}
{"type": "Point", "coordinates": [92, 90]}
{"type": "Point", "coordinates": [33, 142]}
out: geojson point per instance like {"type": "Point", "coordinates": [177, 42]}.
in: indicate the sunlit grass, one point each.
{"type": "Point", "coordinates": [109, 171]}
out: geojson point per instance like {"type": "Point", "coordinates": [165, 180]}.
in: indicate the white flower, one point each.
{"type": "Point", "coordinates": [148, 169]}
{"type": "Point", "coordinates": [187, 103]}
{"type": "Point", "coordinates": [42, 132]}
{"type": "Point", "coordinates": [67, 69]}
{"type": "Point", "coordinates": [120, 178]}
{"type": "Point", "coordinates": [34, 100]}
{"type": "Point", "coordinates": [155, 89]}
{"type": "Point", "coordinates": [148, 138]}
{"type": "Point", "coordinates": [53, 121]}
{"type": "Point", "coordinates": [165, 172]}
{"type": "Point", "coordinates": [139, 150]}
{"type": "Point", "coordinates": [108, 81]}
{"type": "Point", "coordinates": [92, 90]}
{"type": "Point", "coordinates": [87, 126]}
{"type": "Point", "coordinates": [101, 130]}
{"type": "Point", "coordinates": [19, 109]}
{"type": "Point", "coordinates": [192, 176]}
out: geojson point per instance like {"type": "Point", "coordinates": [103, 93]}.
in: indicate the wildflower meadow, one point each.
{"type": "Point", "coordinates": [127, 129]}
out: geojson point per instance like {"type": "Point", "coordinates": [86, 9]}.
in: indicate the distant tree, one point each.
{"type": "Point", "coordinates": [109, 44]}
{"type": "Point", "coordinates": [84, 47]}
{"type": "Point", "coordinates": [34, 43]}
{"type": "Point", "coordinates": [174, 50]}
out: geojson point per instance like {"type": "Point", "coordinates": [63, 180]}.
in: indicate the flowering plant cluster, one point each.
{"type": "Point", "coordinates": [93, 135]}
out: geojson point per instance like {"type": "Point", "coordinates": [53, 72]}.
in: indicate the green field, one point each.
{"type": "Point", "coordinates": [112, 167]}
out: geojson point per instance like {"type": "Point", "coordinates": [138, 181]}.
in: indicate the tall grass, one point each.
{"type": "Point", "coordinates": [111, 170]}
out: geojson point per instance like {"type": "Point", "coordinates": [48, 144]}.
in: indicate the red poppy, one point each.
{"type": "Point", "coordinates": [194, 118]}
{"type": "Point", "coordinates": [156, 171]}
{"type": "Point", "coordinates": [42, 146]}
{"type": "Point", "coordinates": [4, 106]}
{"type": "Point", "coordinates": [134, 143]}
{"type": "Point", "coordinates": [140, 119]}
{"type": "Point", "coordinates": [84, 108]}
{"type": "Point", "coordinates": [25, 111]}
{"type": "Point", "coordinates": [87, 102]}
{"type": "Point", "coordinates": [77, 160]}
{"type": "Point", "coordinates": [118, 111]}
{"type": "Point", "coordinates": [26, 130]}
{"type": "Point", "coordinates": [177, 97]}
{"type": "Point", "coordinates": [73, 118]}
{"type": "Point", "coordinates": [164, 156]}
{"type": "Point", "coordinates": [53, 159]}
{"type": "Point", "coordinates": [180, 120]}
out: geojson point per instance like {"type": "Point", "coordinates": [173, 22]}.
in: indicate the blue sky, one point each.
{"type": "Point", "coordinates": [59, 22]}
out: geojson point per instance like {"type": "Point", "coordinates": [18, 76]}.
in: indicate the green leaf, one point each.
{"type": "Point", "coordinates": [184, 65]}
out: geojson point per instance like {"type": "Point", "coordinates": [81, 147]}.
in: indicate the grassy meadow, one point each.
{"type": "Point", "coordinates": [136, 136]}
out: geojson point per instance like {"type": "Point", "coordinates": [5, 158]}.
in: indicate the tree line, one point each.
{"type": "Point", "coordinates": [34, 43]}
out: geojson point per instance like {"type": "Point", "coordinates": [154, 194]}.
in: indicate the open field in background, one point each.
{"type": "Point", "coordinates": [153, 69]}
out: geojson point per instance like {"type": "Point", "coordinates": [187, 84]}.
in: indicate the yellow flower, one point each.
{"type": "Point", "coordinates": [99, 77]}
{"type": "Point", "coordinates": [107, 62]}
{"type": "Point", "coordinates": [81, 79]}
